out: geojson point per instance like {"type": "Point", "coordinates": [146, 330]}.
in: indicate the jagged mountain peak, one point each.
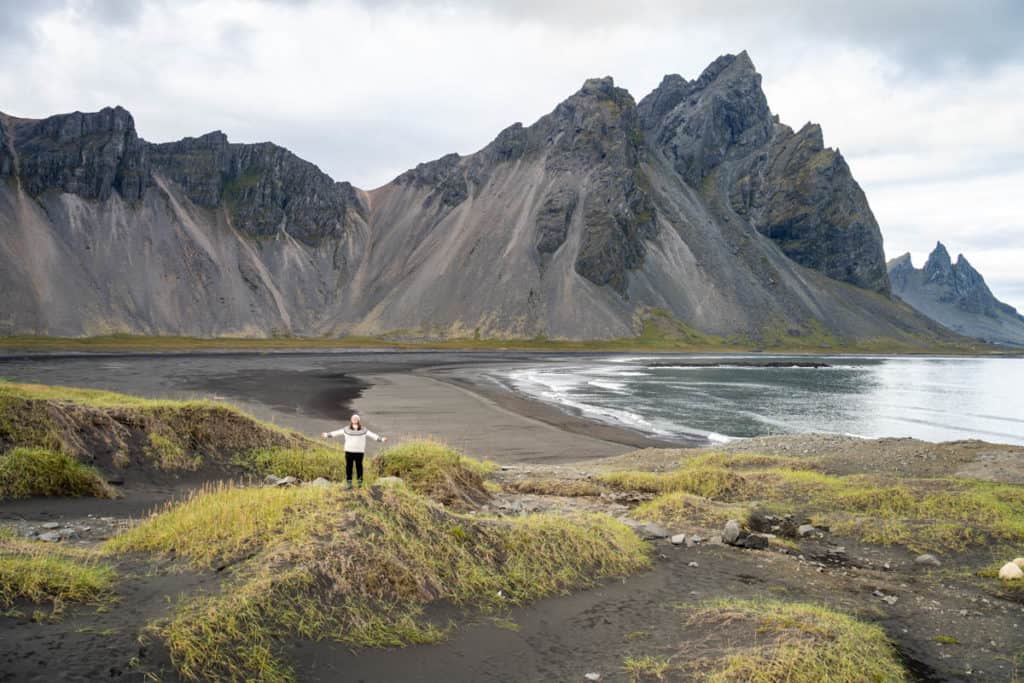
{"type": "Point", "coordinates": [956, 295]}
{"type": "Point", "coordinates": [939, 266]}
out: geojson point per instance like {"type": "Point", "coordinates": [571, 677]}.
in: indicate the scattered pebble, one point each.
{"type": "Point", "coordinates": [927, 560]}
{"type": "Point", "coordinates": [592, 676]}
{"type": "Point", "coordinates": [678, 539]}
{"type": "Point", "coordinates": [692, 564]}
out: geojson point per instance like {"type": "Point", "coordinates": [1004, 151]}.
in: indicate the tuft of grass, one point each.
{"type": "Point", "coordinates": [357, 567]}
{"type": "Point", "coordinates": [38, 575]}
{"type": "Point", "coordinates": [569, 488]}
{"type": "Point", "coordinates": [26, 472]}
{"type": "Point", "coordinates": [946, 640]}
{"type": "Point", "coordinates": [435, 470]}
{"type": "Point", "coordinates": [303, 463]}
{"type": "Point", "coordinates": [170, 455]}
{"type": "Point", "coordinates": [680, 507]}
{"type": "Point", "coordinates": [646, 668]}
{"type": "Point", "coordinates": [795, 643]}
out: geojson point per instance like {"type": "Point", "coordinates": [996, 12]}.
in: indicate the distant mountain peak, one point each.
{"type": "Point", "coordinates": [956, 295]}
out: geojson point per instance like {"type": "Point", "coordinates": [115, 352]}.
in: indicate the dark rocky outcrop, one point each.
{"type": "Point", "coordinates": [265, 188]}
{"type": "Point", "coordinates": [553, 218]}
{"type": "Point", "coordinates": [695, 209]}
{"type": "Point", "coordinates": [90, 155]}
{"type": "Point", "coordinates": [597, 132]}
{"type": "Point", "coordinates": [722, 138]}
{"type": "Point", "coordinates": [445, 178]}
{"type": "Point", "coordinates": [956, 295]}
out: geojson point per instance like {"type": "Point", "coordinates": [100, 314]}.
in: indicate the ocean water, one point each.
{"type": "Point", "coordinates": [930, 398]}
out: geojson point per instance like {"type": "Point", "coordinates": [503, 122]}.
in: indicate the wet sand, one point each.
{"type": "Point", "coordinates": [444, 395]}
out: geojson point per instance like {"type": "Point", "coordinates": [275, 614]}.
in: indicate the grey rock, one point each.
{"type": "Point", "coordinates": [271, 480]}
{"type": "Point", "coordinates": [927, 560]}
{"type": "Point", "coordinates": [397, 481]}
{"type": "Point", "coordinates": [50, 525]}
{"type": "Point", "coordinates": [592, 676]}
{"type": "Point", "coordinates": [805, 530]}
{"type": "Point", "coordinates": [58, 535]}
{"type": "Point", "coordinates": [287, 481]}
{"type": "Point", "coordinates": [678, 539]}
{"type": "Point", "coordinates": [692, 564]}
{"type": "Point", "coordinates": [732, 532]}
{"type": "Point", "coordinates": [320, 482]}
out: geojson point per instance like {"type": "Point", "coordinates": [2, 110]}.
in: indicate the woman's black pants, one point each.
{"type": "Point", "coordinates": [357, 460]}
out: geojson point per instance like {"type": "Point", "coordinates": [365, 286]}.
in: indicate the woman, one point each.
{"type": "Point", "coordinates": [355, 447]}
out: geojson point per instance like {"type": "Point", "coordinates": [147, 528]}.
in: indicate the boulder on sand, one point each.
{"type": "Point", "coordinates": [1011, 572]}
{"type": "Point", "coordinates": [927, 560]}
{"type": "Point", "coordinates": [732, 532]}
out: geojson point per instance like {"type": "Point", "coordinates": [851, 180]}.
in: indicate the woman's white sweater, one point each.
{"type": "Point", "coordinates": [355, 439]}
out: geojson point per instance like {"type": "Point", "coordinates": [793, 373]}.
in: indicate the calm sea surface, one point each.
{"type": "Point", "coordinates": [933, 398]}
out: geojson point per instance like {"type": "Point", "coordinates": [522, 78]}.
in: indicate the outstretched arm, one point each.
{"type": "Point", "coordinates": [375, 436]}
{"type": "Point", "coordinates": [336, 432]}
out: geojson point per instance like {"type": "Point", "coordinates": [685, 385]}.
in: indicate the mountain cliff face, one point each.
{"type": "Point", "coordinates": [695, 202]}
{"type": "Point", "coordinates": [955, 295]}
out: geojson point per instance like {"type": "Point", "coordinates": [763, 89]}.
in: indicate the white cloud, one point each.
{"type": "Point", "coordinates": [925, 105]}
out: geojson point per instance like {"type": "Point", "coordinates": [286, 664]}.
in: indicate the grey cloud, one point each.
{"type": "Point", "coordinates": [924, 37]}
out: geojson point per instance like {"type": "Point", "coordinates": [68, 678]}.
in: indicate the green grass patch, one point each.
{"type": "Point", "coordinates": [792, 643]}
{"type": "Point", "coordinates": [357, 567]}
{"type": "Point", "coordinates": [922, 514]}
{"type": "Point", "coordinates": [680, 507]}
{"type": "Point", "coordinates": [37, 574]}
{"type": "Point", "coordinates": [27, 472]}
{"type": "Point", "coordinates": [303, 463]}
{"type": "Point", "coordinates": [436, 470]}
{"type": "Point", "coordinates": [703, 480]}
{"type": "Point", "coordinates": [223, 523]}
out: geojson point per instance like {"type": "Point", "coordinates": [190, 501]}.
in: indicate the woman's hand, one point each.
{"type": "Point", "coordinates": [383, 439]}
{"type": "Point", "coordinates": [325, 435]}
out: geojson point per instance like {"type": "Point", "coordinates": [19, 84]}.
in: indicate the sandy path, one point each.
{"type": "Point", "coordinates": [411, 405]}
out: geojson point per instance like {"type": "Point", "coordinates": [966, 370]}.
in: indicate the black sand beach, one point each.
{"type": "Point", "coordinates": [560, 638]}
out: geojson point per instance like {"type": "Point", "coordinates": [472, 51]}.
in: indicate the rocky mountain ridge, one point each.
{"type": "Point", "coordinates": [956, 295]}
{"type": "Point", "coordinates": [695, 203]}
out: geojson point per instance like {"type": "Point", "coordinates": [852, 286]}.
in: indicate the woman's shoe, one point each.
{"type": "Point", "coordinates": [348, 483]}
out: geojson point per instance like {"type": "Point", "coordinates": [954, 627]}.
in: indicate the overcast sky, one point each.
{"type": "Point", "coordinates": [925, 101]}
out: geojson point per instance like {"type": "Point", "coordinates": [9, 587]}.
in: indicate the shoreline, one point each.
{"type": "Point", "coordinates": [550, 414]}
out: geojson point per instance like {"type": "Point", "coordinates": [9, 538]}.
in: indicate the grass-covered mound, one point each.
{"type": "Point", "coordinates": [38, 574]}
{"type": "Point", "coordinates": [356, 567]}
{"type": "Point", "coordinates": [27, 472]}
{"type": "Point", "coordinates": [921, 514]}
{"type": "Point", "coordinates": [435, 470]}
{"type": "Point", "coordinates": [306, 463]}
{"type": "Point", "coordinates": [785, 643]}
{"type": "Point", "coordinates": [117, 432]}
